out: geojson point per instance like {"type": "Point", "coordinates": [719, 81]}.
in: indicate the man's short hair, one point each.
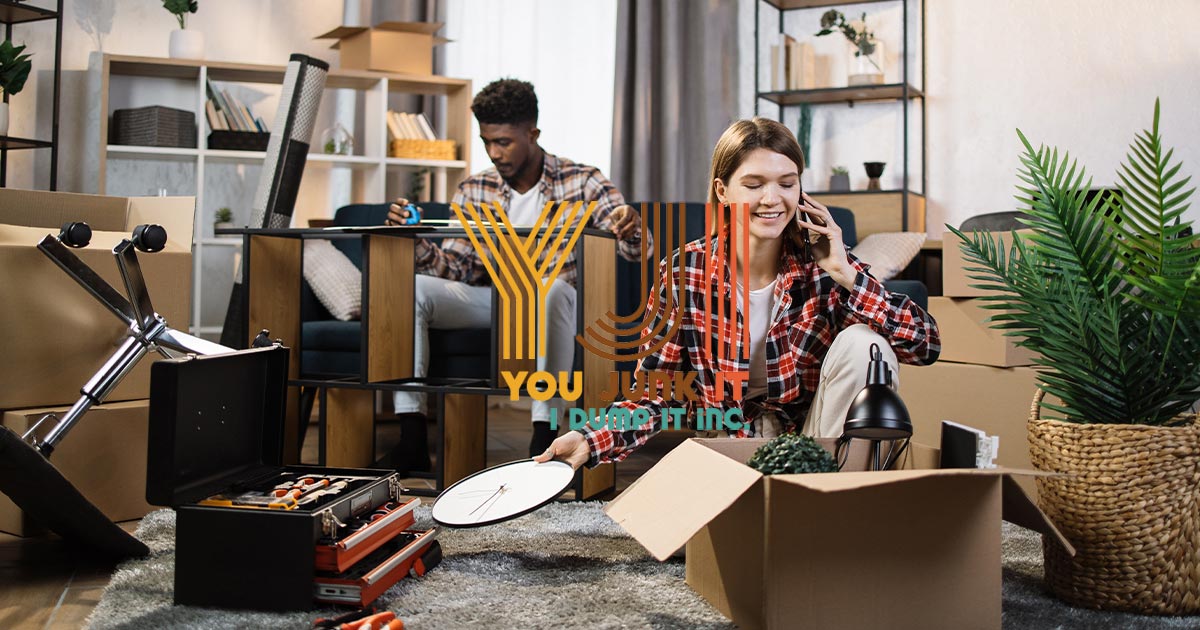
{"type": "Point", "coordinates": [506, 102]}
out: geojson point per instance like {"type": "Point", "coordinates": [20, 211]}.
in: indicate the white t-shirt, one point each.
{"type": "Point", "coordinates": [525, 208]}
{"type": "Point", "coordinates": [762, 305]}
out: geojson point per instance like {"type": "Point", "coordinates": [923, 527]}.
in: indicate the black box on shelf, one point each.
{"type": "Point", "coordinates": [239, 140]}
{"type": "Point", "coordinates": [153, 126]}
{"type": "Point", "coordinates": [250, 532]}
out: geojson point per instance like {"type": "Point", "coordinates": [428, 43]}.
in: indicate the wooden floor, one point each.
{"type": "Point", "coordinates": [44, 585]}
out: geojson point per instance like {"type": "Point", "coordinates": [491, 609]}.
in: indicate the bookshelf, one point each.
{"type": "Point", "coordinates": [11, 13]}
{"type": "Point", "coordinates": [220, 177]}
{"type": "Point", "coordinates": [900, 209]}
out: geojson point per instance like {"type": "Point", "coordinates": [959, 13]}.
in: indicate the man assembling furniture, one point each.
{"type": "Point", "coordinates": [453, 289]}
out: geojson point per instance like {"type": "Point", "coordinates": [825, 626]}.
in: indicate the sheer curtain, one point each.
{"type": "Point", "coordinates": [675, 92]}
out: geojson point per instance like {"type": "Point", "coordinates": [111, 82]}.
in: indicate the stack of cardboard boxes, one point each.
{"type": "Point", "coordinates": [982, 379]}
{"type": "Point", "coordinates": [56, 336]}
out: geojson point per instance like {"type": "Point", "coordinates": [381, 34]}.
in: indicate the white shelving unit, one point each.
{"type": "Point", "coordinates": [218, 177]}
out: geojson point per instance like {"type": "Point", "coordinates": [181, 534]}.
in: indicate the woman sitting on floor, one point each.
{"type": "Point", "coordinates": [814, 310]}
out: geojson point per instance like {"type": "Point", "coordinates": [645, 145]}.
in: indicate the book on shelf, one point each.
{"type": "Point", "coordinates": [793, 65]}
{"type": "Point", "coordinates": [407, 126]}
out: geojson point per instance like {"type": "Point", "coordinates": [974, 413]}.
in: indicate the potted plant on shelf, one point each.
{"type": "Point", "coordinates": [184, 44]}
{"type": "Point", "coordinates": [866, 52]}
{"type": "Point", "coordinates": [14, 70]}
{"type": "Point", "coordinates": [222, 219]}
{"type": "Point", "coordinates": [839, 181]}
{"type": "Point", "coordinates": [1106, 288]}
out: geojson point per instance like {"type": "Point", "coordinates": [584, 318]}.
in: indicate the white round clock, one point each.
{"type": "Point", "coordinates": [501, 493]}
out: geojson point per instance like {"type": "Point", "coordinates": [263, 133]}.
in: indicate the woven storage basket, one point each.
{"type": "Point", "coordinates": [422, 149]}
{"type": "Point", "coordinates": [1129, 501]}
{"type": "Point", "coordinates": [154, 126]}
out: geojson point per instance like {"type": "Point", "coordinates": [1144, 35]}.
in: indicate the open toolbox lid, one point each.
{"type": "Point", "coordinates": [701, 478]}
{"type": "Point", "coordinates": [214, 420]}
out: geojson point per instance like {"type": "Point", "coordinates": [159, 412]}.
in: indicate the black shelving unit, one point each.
{"type": "Point", "coordinates": [21, 13]}
{"type": "Point", "coordinates": [903, 92]}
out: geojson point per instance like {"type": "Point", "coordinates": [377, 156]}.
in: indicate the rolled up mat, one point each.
{"type": "Point", "coordinates": [36, 486]}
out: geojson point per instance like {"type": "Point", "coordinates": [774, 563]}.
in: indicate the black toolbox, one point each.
{"type": "Point", "coordinates": [216, 431]}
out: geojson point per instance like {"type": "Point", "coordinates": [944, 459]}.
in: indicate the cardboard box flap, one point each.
{"type": "Point", "coordinates": [37, 208]}
{"type": "Point", "coordinates": [843, 481]}
{"type": "Point", "coordinates": [423, 28]}
{"type": "Point", "coordinates": [664, 508]}
{"type": "Point", "coordinates": [1019, 509]}
{"type": "Point", "coordinates": [428, 28]}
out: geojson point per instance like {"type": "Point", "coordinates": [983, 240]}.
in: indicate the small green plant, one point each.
{"type": "Point", "coordinates": [14, 68]}
{"type": "Point", "coordinates": [855, 32]}
{"type": "Point", "coordinates": [180, 9]}
{"type": "Point", "coordinates": [792, 454]}
{"type": "Point", "coordinates": [840, 170]}
{"type": "Point", "coordinates": [223, 215]}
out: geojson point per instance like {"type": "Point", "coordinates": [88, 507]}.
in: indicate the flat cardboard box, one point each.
{"type": "Point", "coordinates": [404, 47]}
{"type": "Point", "coordinates": [56, 334]}
{"type": "Point", "coordinates": [104, 456]}
{"type": "Point", "coordinates": [912, 548]}
{"type": "Point", "coordinates": [991, 399]}
{"type": "Point", "coordinates": [954, 274]}
{"type": "Point", "coordinates": [968, 338]}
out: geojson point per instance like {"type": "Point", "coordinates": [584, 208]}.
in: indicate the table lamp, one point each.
{"type": "Point", "coordinates": [878, 413]}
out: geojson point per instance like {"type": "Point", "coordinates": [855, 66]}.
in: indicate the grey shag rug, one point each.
{"type": "Point", "coordinates": [566, 565]}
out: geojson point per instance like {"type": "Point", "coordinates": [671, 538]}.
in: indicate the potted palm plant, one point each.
{"type": "Point", "coordinates": [14, 70]}
{"type": "Point", "coordinates": [1106, 288]}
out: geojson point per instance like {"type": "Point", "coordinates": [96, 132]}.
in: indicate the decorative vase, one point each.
{"type": "Point", "coordinates": [186, 44]}
{"type": "Point", "coordinates": [3, 119]}
{"type": "Point", "coordinates": [336, 140]}
{"type": "Point", "coordinates": [865, 68]}
{"type": "Point", "coordinates": [222, 225]}
{"type": "Point", "coordinates": [1127, 497]}
{"type": "Point", "coordinates": [839, 182]}
{"type": "Point", "coordinates": [874, 172]}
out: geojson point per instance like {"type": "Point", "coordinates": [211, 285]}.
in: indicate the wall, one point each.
{"type": "Point", "coordinates": [565, 48]}
{"type": "Point", "coordinates": [1081, 75]}
{"type": "Point", "coordinates": [259, 31]}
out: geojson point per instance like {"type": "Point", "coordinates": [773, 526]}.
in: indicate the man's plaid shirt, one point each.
{"type": "Point", "coordinates": [811, 309]}
{"type": "Point", "coordinates": [562, 180]}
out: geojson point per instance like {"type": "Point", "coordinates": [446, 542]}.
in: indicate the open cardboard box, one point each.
{"type": "Point", "coordinates": [56, 334]}
{"type": "Point", "coordinates": [910, 548]}
{"type": "Point", "coordinates": [405, 47]}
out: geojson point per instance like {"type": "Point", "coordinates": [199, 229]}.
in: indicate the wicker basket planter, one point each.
{"type": "Point", "coordinates": [1129, 501]}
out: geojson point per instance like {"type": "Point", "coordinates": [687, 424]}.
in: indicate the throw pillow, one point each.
{"type": "Point", "coordinates": [334, 279]}
{"type": "Point", "coordinates": [888, 253]}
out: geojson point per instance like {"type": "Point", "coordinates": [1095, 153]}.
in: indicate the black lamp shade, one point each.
{"type": "Point", "coordinates": [877, 413]}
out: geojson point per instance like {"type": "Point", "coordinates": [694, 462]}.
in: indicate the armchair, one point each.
{"type": "Point", "coordinates": [331, 348]}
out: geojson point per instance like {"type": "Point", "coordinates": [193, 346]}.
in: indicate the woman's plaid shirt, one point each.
{"type": "Point", "coordinates": [810, 310]}
{"type": "Point", "coordinates": [562, 180]}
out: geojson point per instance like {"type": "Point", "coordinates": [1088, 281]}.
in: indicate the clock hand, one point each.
{"type": "Point", "coordinates": [485, 501]}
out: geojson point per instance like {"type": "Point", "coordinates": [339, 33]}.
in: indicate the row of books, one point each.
{"type": "Point", "coordinates": [406, 126]}
{"type": "Point", "coordinates": [793, 66]}
{"type": "Point", "coordinates": [226, 113]}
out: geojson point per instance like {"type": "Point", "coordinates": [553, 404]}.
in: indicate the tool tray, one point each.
{"type": "Point", "coordinates": [216, 433]}
{"type": "Point", "coordinates": [409, 553]}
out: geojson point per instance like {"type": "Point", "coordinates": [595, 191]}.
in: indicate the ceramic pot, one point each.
{"type": "Point", "coordinates": [186, 44]}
